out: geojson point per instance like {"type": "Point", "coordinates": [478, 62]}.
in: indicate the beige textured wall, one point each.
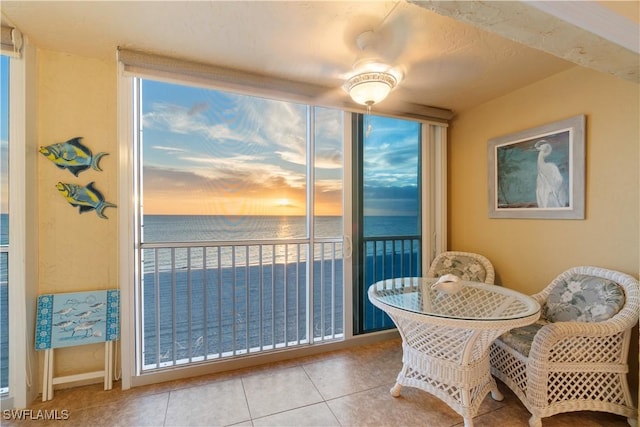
{"type": "Point", "coordinates": [528, 254]}
{"type": "Point", "coordinates": [77, 252]}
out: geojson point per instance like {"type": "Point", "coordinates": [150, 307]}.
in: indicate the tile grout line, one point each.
{"type": "Point", "coordinates": [324, 400]}
{"type": "Point", "coordinates": [166, 409]}
{"type": "Point", "coordinates": [246, 399]}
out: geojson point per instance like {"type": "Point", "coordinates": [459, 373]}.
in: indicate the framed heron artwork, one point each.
{"type": "Point", "coordinates": [539, 172]}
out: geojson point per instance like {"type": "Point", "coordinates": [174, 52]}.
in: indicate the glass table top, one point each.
{"type": "Point", "coordinates": [473, 301]}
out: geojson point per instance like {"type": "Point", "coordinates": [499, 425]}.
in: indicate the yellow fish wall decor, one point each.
{"type": "Point", "coordinates": [72, 155]}
{"type": "Point", "coordinates": [85, 198]}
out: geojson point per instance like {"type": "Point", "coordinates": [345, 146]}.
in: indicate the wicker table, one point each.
{"type": "Point", "coordinates": [446, 337]}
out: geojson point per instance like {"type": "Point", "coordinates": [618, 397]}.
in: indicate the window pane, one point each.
{"type": "Point", "coordinates": [4, 224]}
{"type": "Point", "coordinates": [219, 171]}
{"type": "Point", "coordinates": [391, 177]}
{"type": "Point", "coordinates": [4, 148]}
{"type": "Point", "coordinates": [234, 164]}
{"type": "Point", "coordinates": [329, 129]}
{"type": "Point", "coordinates": [391, 241]}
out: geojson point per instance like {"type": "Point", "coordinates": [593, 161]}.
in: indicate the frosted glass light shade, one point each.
{"type": "Point", "coordinates": [370, 88]}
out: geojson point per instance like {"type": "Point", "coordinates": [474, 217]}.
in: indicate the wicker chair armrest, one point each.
{"type": "Point", "coordinates": [554, 341]}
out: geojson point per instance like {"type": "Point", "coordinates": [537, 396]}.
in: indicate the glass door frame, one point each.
{"type": "Point", "coordinates": [23, 231]}
{"type": "Point", "coordinates": [433, 199]}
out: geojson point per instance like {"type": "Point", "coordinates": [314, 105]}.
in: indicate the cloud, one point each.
{"type": "Point", "coordinates": [189, 121]}
{"type": "Point", "coordinates": [198, 107]}
{"type": "Point", "coordinates": [329, 158]}
{"type": "Point", "coordinates": [392, 163]}
{"type": "Point", "coordinates": [171, 180]}
{"type": "Point", "coordinates": [254, 141]}
{"type": "Point", "coordinates": [329, 186]}
{"type": "Point", "coordinates": [249, 120]}
{"type": "Point", "coordinates": [280, 124]}
{"type": "Point", "coordinates": [223, 177]}
{"type": "Point", "coordinates": [249, 169]}
{"type": "Point", "coordinates": [293, 157]}
{"type": "Point", "coordinates": [170, 150]}
{"type": "Point", "coordinates": [329, 124]}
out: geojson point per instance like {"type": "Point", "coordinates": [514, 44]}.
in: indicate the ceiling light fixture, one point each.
{"type": "Point", "coordinates": [368, 88]}
{"type": "Point", "coordinates": [373, 78]}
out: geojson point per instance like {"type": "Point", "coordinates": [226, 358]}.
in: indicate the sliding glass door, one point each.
{"type": "Point", "coordinates": [387, 203]}
{"type": "Point", "coordinates": [253, 224]}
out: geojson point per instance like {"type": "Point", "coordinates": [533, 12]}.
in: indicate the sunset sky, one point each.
{"type": "Point", "coordinates": [217, 153]}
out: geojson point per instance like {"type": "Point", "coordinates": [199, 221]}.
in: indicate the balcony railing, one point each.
{"type": "Point", "coordinates": [4, 319]}
{"type": "Point", "coordinates": [386, 258]}
{"type": "Point", "coordinates": [210, 300]}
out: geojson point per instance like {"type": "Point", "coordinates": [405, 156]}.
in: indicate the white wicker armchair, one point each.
{"type": "Point", "coordinates": [466, 265]}
{"type": "Point", "coordinates": [575, 357]}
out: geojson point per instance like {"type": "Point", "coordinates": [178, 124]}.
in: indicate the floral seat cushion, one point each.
{"type": "Point", "coordinates": [584, 299]}
{"type": "Point", "coordinates": [465, 267]}
{"type": "Point", "coordinates": [579, 298]}
{"type": "Point", "coordinates": [520, 339]}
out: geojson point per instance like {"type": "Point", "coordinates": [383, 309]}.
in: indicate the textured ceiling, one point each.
{"type": "Point", "coordinates": [451, 58]}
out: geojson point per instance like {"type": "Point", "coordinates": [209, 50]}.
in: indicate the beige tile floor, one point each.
{"type": "Point", "coordinates": [341, 388]}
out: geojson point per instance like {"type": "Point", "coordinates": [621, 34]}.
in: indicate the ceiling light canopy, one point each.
{"type": "Point", "coordinates": [368, 88]}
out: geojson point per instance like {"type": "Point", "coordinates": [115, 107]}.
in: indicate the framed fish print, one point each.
{"type": "Point", "coordinates": [538, 173]}
{"type": "Point", "coordinates": [77, 318]}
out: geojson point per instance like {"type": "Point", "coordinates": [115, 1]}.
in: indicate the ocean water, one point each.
{"type": "Point", "coordinates": [190, 228]}
{"type": "Point", "coordinates": [245, 229]}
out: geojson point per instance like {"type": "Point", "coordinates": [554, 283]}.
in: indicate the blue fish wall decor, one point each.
{"type": "Point", "coordinates": [85, 198]}
{"type": "Point", "coordinates": [72, 155]}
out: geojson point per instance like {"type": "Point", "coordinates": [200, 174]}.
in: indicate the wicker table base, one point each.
{"type": "Point", "coordinates": [462, 386]}
{"type": "Point", "coordinates": [446, 338]}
